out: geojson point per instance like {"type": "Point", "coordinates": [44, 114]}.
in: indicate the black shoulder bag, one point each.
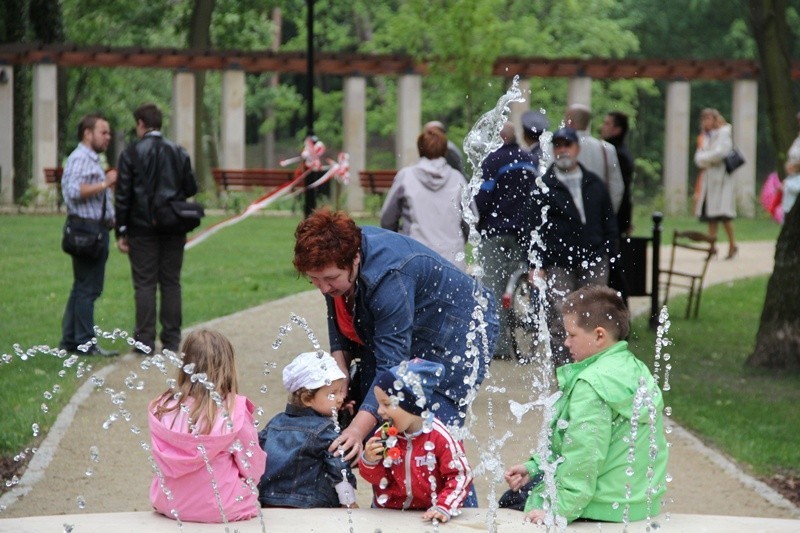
{"type": "Point", "coordinates": [84, 237]}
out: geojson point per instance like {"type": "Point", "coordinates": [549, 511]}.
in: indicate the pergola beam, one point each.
{"type": "Point", "coordinates": [347, 64]}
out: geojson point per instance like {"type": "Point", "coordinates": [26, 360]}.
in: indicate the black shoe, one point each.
{"type": "Point", "coordinates": [69, 348]}
{"type": "Point", "coordinates": [97, 351]}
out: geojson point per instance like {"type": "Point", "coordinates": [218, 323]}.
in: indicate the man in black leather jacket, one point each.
{"type": "Point", "coordinates": [152, 172]}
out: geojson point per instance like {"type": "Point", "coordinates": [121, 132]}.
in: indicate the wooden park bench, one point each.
{"type": "Point", "coordinates": [250, 178]}
{"type": "Point", "coordinates": [53, 176]}
{"type": "Point", "coordinates": [377, 181]}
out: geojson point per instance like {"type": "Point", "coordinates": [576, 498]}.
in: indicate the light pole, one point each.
{"type": "Point", "coordinates": [310, 197]}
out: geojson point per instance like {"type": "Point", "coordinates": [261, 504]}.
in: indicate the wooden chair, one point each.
{"type": "Point", "coordinates": [688, 264]}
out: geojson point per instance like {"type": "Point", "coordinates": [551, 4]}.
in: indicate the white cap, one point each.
{"type": "Point", "coordinates": [311, 370]}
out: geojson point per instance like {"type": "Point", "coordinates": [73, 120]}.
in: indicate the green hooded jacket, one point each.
{"type": "Point", "coordinates": [591, 432]}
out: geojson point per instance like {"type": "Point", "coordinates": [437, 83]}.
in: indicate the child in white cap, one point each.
{"type": "Point", "coordinates": [301, 472]}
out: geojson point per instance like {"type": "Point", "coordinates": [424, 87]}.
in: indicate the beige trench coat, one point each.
{"type": "Point", "coordinates": [719, 188]}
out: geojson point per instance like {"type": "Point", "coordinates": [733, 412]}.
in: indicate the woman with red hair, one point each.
{"type": "Point", "coordinates": [390, 299]}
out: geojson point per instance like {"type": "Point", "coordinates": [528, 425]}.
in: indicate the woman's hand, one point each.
{"type": "Point", "coordinates": [516, 477]}
{"type": "Point", "coordinates": [373, 449]}
{"type": "Point", "coordinates": [351, 438]}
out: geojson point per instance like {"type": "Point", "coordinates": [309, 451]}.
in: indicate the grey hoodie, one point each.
{"type": "Point", "coordinates": [425, 204]}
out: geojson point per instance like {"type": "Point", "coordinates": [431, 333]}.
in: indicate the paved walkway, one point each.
{"type": "Point", "coordinates": [709, 493]}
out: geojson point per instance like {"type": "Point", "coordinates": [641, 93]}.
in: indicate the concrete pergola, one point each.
{"type": "Point", "coordinates": [355, 68]}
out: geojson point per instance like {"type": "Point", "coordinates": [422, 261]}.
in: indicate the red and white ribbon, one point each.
{"type": "Point", "coordinates": [339, 169]}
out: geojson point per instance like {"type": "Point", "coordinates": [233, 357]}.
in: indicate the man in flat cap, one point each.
{"type": "Point", "coordinates": [575, 232]}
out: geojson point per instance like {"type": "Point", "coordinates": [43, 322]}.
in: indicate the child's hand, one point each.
{"type": "Point", "coordinates": [517, 476]}
{"type": "Point", "coordinates": [430, 514]}
{"type": "Point", "coordinates": [373, 450]}
{"type": "Point", "coordinates": [536, 516]}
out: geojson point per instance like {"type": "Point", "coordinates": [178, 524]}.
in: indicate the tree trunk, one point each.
{"type": "Point", "coordinates": [200, 38]}
{"type": "Point", "coordinates": [778, 338]}
{"type": "Point", "coordinates": [767, 19]}
{"type": "Point", "coordinates": [14, 23]}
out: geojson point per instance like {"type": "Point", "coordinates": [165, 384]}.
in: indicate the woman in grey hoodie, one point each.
{"type": "Point", "coordinates": [424, 201]}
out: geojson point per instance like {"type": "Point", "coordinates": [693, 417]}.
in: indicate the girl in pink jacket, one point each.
{"type": "Point", "coordinates": [204, 440]}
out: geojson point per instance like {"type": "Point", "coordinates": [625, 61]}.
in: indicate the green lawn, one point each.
{"type": "Point", "coordinates": [750, 414]}
{"type": "Point", "coordinates": [250, 263]}
{"type": "Point", "coordinates": [239, 267]}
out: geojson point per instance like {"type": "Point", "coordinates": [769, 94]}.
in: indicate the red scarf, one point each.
{"type": "Point", "coordinates": [344, 319]}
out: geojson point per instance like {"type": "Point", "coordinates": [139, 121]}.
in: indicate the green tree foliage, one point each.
{"type": "Point", "coordinates": [458, 39]}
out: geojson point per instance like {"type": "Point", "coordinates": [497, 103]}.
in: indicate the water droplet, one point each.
{"type": "Point", "coordinates": [45, 408]}
{"type": "Point", "coordinates": [382, 499]}
{"type": "Point", "coordinates": [35, 429]}
{"type": "Point", "coordinates": [81, 502]}
{"type": "Point", "coordinates": [429, 446]}
{"type": "Point", "coordinates": [383, 483]}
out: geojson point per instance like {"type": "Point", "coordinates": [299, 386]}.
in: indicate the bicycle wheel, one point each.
{"type": "Point", "coordinates": [521, 318]}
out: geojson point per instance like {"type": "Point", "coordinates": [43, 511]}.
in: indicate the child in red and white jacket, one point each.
{"type": "Point", "coordinates": [412, 442]}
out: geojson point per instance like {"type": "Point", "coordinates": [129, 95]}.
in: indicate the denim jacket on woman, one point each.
{"type": "Point", "coordinates": [301, 472]}
{"type": "Point", "coordinates": [411, 302]}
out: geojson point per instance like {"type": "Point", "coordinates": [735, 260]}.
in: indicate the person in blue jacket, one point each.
{"type": "Point", "coordinates": [391, 299]}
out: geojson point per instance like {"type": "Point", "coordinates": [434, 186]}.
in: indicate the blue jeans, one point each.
{"type": "Point", "coordinates": [88, 275]}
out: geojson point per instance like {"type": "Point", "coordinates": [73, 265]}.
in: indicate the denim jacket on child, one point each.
{"type": "Point", "coordinates": [301, 472]}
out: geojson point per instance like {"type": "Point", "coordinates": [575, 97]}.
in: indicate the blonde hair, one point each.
{"type": "Point", "coordinates": [212, 354]}
{"type": "Point", "coordinates": [719, 120]}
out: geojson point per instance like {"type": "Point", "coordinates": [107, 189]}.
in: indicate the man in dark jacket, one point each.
{"type": "Point", "coordinates": [576, 231]}
{"type": "Point", "coordinates": [613, 130]}
{"type": "Point", "coordinates": [153, 172]}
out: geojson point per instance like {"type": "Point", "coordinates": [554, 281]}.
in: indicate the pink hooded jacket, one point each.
{"type": "Point", "coordinates": [234, 455]}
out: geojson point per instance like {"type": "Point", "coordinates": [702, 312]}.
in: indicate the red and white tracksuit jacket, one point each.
{"type": "Point", "coordinates": [408, 483]}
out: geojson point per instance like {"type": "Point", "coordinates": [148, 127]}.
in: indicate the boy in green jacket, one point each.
{"type": "Point", "coordinates": [606, 467]}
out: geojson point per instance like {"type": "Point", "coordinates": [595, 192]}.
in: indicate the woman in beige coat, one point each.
{"type": "Point", "coordinates": [717, 202]}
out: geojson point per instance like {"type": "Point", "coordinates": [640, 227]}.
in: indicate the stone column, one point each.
{"type": "Point", "coordinates": [745, 132]}
{"type": "Point", "coordinates": [355, 137]}
{"type": "Point", "coordinates": [580, 91]}
{"type": "Point", "coordinates": [7, 134]}
{"type": "Point", "coordinates": [519, 108]}
{"type": "Point", "coordinates": [183, 111]}
{"type": "Point", "coordinates": [409, 119]}
{"type": "Point", "coordinates": [45, 121]}
{"type": "Point", "coordinates": [233, 119]}
{"type": "Point", "coordinates": [677, 147]}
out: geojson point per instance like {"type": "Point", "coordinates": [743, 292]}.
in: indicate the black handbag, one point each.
{"type": "Point", "coordinates": [84, 237]}
{"type": "Point", "coordinates": [733, 160]}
